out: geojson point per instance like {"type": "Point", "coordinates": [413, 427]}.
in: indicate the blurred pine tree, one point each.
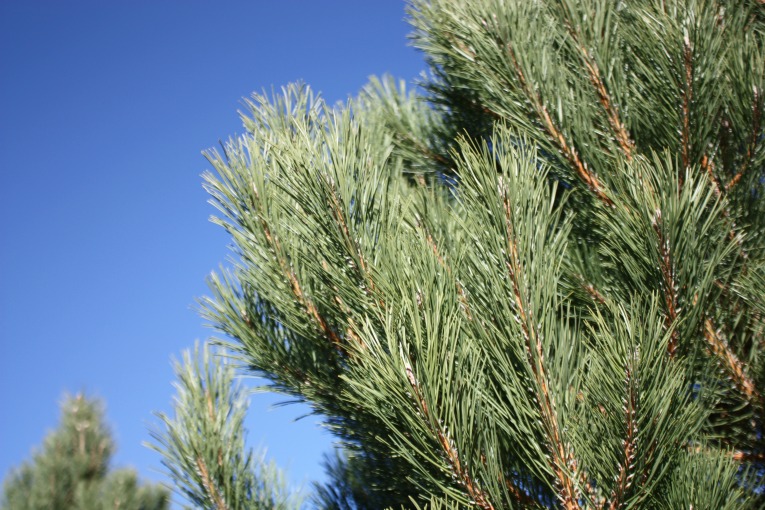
{"type": "Point", "coordinates": [71, 471]}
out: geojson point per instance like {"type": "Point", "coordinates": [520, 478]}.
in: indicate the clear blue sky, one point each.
{"type": "Point", "coordinates": [105, 108]}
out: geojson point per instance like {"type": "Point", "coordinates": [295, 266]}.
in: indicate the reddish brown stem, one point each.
{"type": "Point", "coordinates": [720, 348]}
{"type": "Point", "coordinates": [209, 486]}
{"type": "Point", "coordinates": [442, 262]}
{"type": "Point", "coordinates": [668, 276]}
{"type": "Point", "coordinates": [748, 456]}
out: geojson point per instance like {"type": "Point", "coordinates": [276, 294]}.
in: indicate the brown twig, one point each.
{"type": "Point", "coordinates": [737, 455]}
{"type": "Point", "coordinates": [209, 486]}
{"type": "Point", "coordinates": [211, 413]}
{"type": "Point", "coordinates": [339, 217]}
{"type": "Point", "coordinates": [720, 348]}
{"type": "Point", "coordinates": [427, 151]}
{"type": "Point", "coordinates": [591, 290]}
{"type": "Point", "coordinates": [460, 289]}
{"type": "Point", "coordinates": [748, 456]}
{"type": "Point", "coordinates": [210, 405]}
{"type": "Point", "coordinates": [668, 275]}
{"type": "Point", "coordinates": [708, 166]}
{"type": "Point", "coordinates": [352, 244]}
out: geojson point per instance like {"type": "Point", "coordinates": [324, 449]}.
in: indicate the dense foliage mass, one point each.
{"type": "Point", "coordinates": [541, 284]}
{"type": "Point", "coordinates": [71, 471]}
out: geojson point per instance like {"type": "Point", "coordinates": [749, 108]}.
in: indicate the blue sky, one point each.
{"type": "Point", "coordinates": [105, 108]}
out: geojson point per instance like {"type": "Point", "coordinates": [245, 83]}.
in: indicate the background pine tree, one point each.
{"type": "Point", "coordinates": [539, 285]}
{"type": "Point", "coordinates": [71, 471]}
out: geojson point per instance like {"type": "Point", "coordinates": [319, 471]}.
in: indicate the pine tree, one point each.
{"type": "Point", "coordinates": [541, 283]}
{"type": "Point", "coordinates": [71, 471]}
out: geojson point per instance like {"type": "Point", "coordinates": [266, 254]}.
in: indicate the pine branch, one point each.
{"type": "Point", "coordinates": [310, 308]}
{"type": "Point", "coordinates": [609, 107]}
{"type": "Point", "coordinates": [459, 470]}
{"type": "Point", "coordinates": [562, 457]}
{"type": "Point", "coordinates": [626, 467]}
{"type": "Point", "coordinates": [436, 323]}
{"type": "Point", "coordinates": [203, 447]}
{"type": "Point", "coordinates": [569, 152]}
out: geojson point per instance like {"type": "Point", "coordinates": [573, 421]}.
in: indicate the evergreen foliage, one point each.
{"type": "Point", "coordinates": [71, 471]}
{"type": "Point", "coordinates": [203, 446]}
{"type": "Point", "coordinates": [539, 285]}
